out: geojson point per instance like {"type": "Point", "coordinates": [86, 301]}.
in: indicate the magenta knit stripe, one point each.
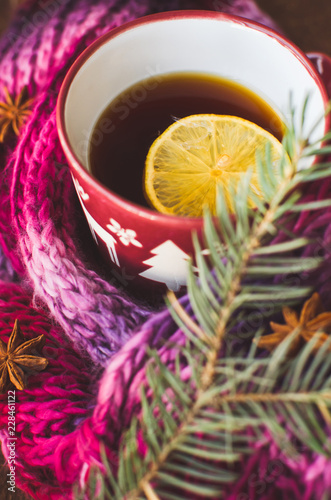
{"type": "Point", "coordinates": [56, 400]}
{"type": "Point", "coordinates": [93, 313]}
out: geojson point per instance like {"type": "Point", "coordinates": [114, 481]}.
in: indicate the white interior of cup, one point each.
{"type": "Point", "coordinates": [203, 44]}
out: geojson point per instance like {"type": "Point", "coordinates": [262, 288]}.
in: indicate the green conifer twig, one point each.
{"type": "Point", "coordinates": [189, 424]}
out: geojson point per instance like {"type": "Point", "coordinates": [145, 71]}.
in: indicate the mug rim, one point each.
{"type": "Point", "coordinates": [83, 57]}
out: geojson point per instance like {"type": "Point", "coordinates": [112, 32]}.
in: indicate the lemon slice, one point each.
{"type": "Point", "coordinates": [197, 153]}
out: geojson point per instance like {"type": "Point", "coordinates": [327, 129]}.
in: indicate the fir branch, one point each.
{"type": "Point", "coordinates": [195, 430]}
{"type": "Point", "coordinates": [201, 443]}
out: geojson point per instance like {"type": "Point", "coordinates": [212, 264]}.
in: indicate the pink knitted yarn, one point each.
{"type": "Point", "coordinates": [74, 405]}
{"type": "Point", "coordinates": [56, 400]}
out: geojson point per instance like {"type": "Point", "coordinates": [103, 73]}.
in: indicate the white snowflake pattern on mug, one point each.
{"type": "Point", "coordinates": [126, 236]}
{"type": "Point", "coordinates": [83, 195]}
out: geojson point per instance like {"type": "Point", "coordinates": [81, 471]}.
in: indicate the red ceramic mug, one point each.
{"type": "Point", "coordinates": [148, 248]}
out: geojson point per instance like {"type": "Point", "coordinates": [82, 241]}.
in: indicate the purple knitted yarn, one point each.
{"type": "Point", "coordinates": [7, 272]}
{"type": "Point", "coordinates": [244, 8]}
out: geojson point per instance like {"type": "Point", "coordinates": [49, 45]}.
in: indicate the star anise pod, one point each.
{"type": "Point", "coordinates": [311, 322]}
{"type": "Point", "coordinates": [13, 112]}
{"type": "Point", "coordinates": [16, 354]}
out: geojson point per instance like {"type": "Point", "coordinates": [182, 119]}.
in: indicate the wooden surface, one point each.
{"type": "Point", "coordinates": [306, 22]}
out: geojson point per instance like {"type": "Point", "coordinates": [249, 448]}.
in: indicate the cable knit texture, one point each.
{"type": "Point", "coordinates": [96, 334]}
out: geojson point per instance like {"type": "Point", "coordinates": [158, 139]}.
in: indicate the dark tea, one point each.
{"type": "Point", "coordinates": [129, 125]}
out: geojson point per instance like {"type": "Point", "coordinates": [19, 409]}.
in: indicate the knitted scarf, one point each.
{"type": "Point", "coordinates": [96, 332]}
